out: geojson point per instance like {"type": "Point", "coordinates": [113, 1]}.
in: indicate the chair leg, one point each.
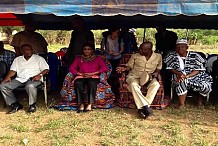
{"type": "Point", "coordinates": [45, 94]}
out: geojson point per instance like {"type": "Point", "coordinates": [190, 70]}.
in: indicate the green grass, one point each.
{"type": "Point", "coordinates": [19, 127]}
{"type": "Point", "coordinates": [117, 126]}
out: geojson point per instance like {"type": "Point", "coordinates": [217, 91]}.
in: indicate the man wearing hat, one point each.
{"type": "Point", "coordinates": [188, 73]}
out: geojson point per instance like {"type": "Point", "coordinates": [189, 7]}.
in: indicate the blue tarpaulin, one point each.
{"type": "Point", "coordinates": [55, 14]}
{"type": "Point", "coordinates": [111, 7]}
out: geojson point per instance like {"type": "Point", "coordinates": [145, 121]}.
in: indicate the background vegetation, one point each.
{"type": "Point", "coordinates": [204, 39]}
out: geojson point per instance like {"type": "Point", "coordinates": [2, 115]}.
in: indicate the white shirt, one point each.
{"type": "Point", "coordinates": [28, 68]}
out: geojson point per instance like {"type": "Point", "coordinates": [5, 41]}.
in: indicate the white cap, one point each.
{"type": "Point", "coordinates": [133, 30]}
{"type": "Point", "coordinates": [182, 41]}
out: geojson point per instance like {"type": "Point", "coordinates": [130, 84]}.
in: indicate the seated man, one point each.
{"type": "Point", "coordinates": [29, 69]}
{"type": "Point", "coordinates": [6, 55]}
{"type": "Point", "coordinates": [144, 68]}
{"type": "Point", "coordinates": [188, 73]}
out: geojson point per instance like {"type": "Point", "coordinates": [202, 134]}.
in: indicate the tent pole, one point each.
{"type": "Point", "coordinates": [144, 35]}
{"type": "Point", "coordinates": [186, 34]}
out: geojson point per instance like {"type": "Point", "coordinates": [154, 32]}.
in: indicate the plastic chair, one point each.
{"type": "Point", "coordinates": [42, 86]}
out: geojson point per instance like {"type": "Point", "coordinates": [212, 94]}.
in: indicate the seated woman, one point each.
{"type": "Point", "coordinates": [188, 73]}
{"type": "Point", "coordinates": [86, 69]}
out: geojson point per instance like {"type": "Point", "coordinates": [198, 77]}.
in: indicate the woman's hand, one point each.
{"type": "Point", "coordinates": [93, 73]}
{"type": "Point", "coordinates": [87, 75]}
{"type": "Point", "coordinates": [110, 52]}
{"type": "Point", "coordinates": [116, 53]}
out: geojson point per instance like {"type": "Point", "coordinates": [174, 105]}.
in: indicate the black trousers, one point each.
{"type": "Point", "coordinates": [113, 79]}
{"type": "Point", "coordinates": [114, 64]}
{"type": "Point", "coordinates": [166, 78]}
{"type": "Point", "coordinates": [80, 86]}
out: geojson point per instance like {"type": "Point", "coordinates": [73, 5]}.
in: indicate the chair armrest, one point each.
{"type": "Point", "coordinates": [68, 80]}
{"type": "Point", "coordinates": [45, 77]}
{"type": "Point", "coordinates": [103, 78]}
{"type": "Point", "coordinates": [159, 78]}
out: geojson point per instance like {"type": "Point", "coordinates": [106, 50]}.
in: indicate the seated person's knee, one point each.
{"type": "Point", "coordinates": [29, 86]}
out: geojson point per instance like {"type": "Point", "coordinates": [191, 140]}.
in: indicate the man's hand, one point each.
{"type": "Point", "coordinates": [36, 78]}
{"type": "Point", "coordinates": [155, 74]}
{"type": "Point", "coordinates": [120, 69]}
{"type": "Point", "coordinates": [7, 79]}
{"type": "Point", "coordinates": [180, 78]}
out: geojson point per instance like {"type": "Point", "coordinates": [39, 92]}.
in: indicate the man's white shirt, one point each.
{"type": "Point", "coordinates": [28, 68]}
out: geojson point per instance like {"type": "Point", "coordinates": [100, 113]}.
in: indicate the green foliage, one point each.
{"type": "Point", "coordinates": [56, 36]}
{"type": "Point", "coordinates": [149, 35]}
{"type": "Point", "coordinates": [210, 40]}
{"type": "Point", "coordinates": [98, 36]}
{"type": "Point", "coordinates": [62, 38]}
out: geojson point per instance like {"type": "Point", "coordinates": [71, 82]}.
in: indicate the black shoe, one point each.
{"type": "Point", "coordinates": [79, 110]}
{"type": "Point", "coordinates": [142, 114]}
{"type": "Point", "coordinates": [87, 110]}
{"type": "Point", "coordinates": [15, 107]}
{"type": "Point", "coordinates": [145, 112]}
{"type": "Point", "coordinates": [32, 108]}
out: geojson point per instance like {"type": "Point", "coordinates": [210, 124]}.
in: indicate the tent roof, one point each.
{"type": "Point", "coordinates": [56, 14]}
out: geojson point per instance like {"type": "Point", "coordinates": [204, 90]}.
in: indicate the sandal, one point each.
{"type": "Point", "coordinates": [80, 108]}
{"type": "Point", "coordinates": [88, 108]}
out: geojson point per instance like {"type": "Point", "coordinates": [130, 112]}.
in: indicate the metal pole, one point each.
{"type": "Point", "coordinates": [144, 35]}
{"type": "Point", "coordinates": [186, 34]}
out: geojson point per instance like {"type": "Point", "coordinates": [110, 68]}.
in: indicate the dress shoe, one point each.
{"type": "Point", "coordinates": [147, 110]}
{"type": "Point", "coordinates": [80, 110]}
{"type": "Point", "coordinates": [15, 107]}
{"type": "Point", "coordinates": [144, 112]}
{"type": "Point", "coordinates": [32, 108]}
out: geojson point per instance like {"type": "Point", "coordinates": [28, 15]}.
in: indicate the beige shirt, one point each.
{"type": "Point", "coordinates": [36, 40]}
{"type": "Point", "coordinates": [139, 63]}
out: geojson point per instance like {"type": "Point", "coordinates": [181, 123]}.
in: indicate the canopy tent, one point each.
{"type": "Point", "coordinates": [99, 14]}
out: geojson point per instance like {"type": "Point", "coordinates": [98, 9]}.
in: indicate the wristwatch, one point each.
{"type": "Point", "coordinates": [41, 75]}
